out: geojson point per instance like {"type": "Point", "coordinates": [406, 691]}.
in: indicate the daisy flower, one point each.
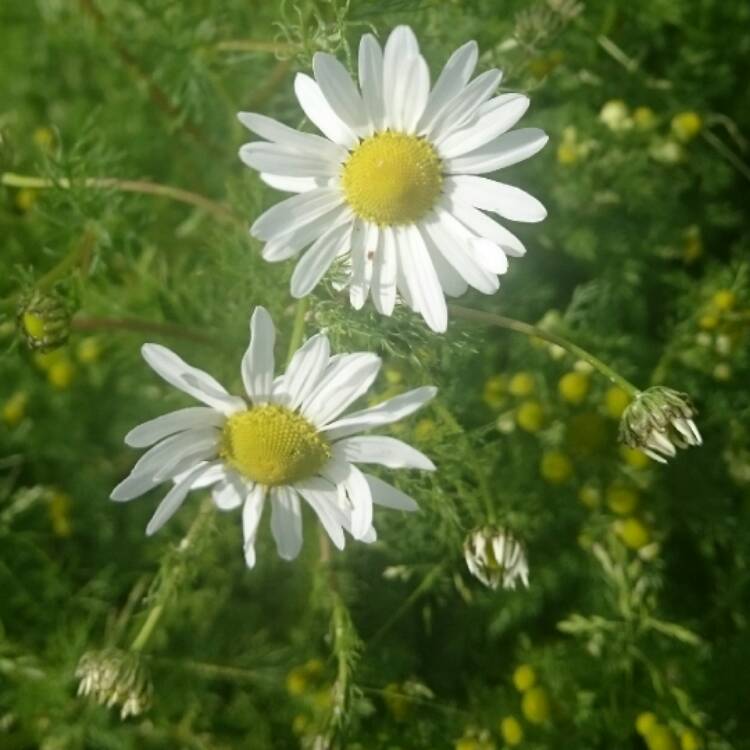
{"type": "Point", "coordinates": [393, 185]}
{"type": "Point", "coordinates": [290, 443]}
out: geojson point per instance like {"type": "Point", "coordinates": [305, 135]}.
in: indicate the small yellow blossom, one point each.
{"type": "Point", "coordinates": [494, 391]}
{"type": "Point", "coordinates": [567, 153]}
{"type": "Point", "coordinates": [511, 731]}
{"type": "Point", "coordinates": [621, 500]}
{"type": "Point", "coordinates": [424, 430]}
{"type": "Point", "coordinates": [25, 199]}
{"type": "Point", "coordinates": [644, 722]}
{"type": "Point", "coordinates": [467, 743]}
{"type": "Point", "coordinates": [644, 118]}
{"type": "Point", "coordinates": [633, 533]}
{"type": "Point", "coordinates": [573, 387]}
{"type": "Point", "coordinates": [666, 152]}
{"type": "Point", "coordinates": [590, 496]}
{"type": "Point", "coordinates": [689, 740]}
{"type": "Point", "coordinates": [692, 244]}
{"type": "Point", "coordinates": [530, 416]}
{"type": "Point", "coordinates": [14, 409]}
{"type": "Point", "coordinates": [44, 138]}
{"type": "Point", "coordinates": [521, 384]}
{"type": "Point", "coordinates": [616, 400]}
{"type": "Point", "coordinates": [660, 737]}
{"type": "Point", "coordinates": [59, 513]}
{"type": "Point", "coordinates": [524, 677]}
{"type": "Point", "coordinates": [88, 350]}
{"type": "Point", "coordinates": [397, 703]}
{"type": "Point", "coordinates": [535, 705]}
{"type": "Point", "coordinates": [300, 724]}
{"type": "Point", "coordinates": [686, 125]}
{"type": "Point", "coordinates": [33, 325]}
{"type": "Point", "coordinates": [634, 458]}
{"type": "Point", "coordinates": [709, 321]}
{"type": "Point", "coordinates": [45, 360]}
{"type": "Point", "coordinates": [393, 376]}
{"type": "Point", "coordinates": [723, 300]}
{"type": "Point", "coordinates": [61, 374]}
{"type": "Point", "coordinates": [615, 115]}
{"type": "Point", "coordinates": [296, 682]}
{"type": "Point", "coordinates": [556, 467]}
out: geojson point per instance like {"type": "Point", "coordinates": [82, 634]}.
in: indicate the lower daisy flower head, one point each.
{"type": "Point", "coordinates": [496, 558]}
{"type": "Point", "coordinates": [392, 186]}
{"type": "Point", "coordinates": [288, 443]}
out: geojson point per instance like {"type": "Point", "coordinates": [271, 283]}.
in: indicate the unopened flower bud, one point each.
{"type": "Point", "coordinates": [495, 557]}
{"type": "Point", "coordinates": [44, 321]}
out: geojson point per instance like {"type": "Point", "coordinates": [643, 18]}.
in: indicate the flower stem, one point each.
{"type": "Point", "coordinates": [219, 211]}
{"type": "Point", "coordinates": [298, 328]}
{"type": "Point", "coordinates": [84, 324]}
{"type": "Point", "coordinates": [500, 321]}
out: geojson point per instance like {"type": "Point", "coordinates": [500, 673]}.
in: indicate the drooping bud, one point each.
{"type": "Point", "coordinates": [658, 422]}
{"type": "Point", "coordinates": [495, 557]}
{"type": "Point", "coordinates": [115, 678]}
{"type": "Point", "coordinates": [44, 320]}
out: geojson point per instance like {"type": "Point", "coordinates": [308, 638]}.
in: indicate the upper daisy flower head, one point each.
{"type": "Point", "coordinates": [288, 442]}
{"type": "Point", "coordinates": [393, 185]}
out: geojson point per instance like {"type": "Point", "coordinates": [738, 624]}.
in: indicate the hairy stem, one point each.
{"type": "Point", "coordinates": [87, 324]}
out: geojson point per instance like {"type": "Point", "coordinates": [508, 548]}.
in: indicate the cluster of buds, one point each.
{"type": "Point", "coordinates": [44, 320]}
{"type": "Point", "coordinates": [115, 678]}
{"type": "Point", "coordinates": [495, 557]}
{"type": "Point", "coordinates": [658, 422]}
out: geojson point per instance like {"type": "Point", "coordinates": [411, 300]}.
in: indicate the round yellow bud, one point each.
{"type": "Point", "coordinates": [722, 371]}
{"type": "Point", "coordinates": [573, 387]}
{"type": "Point", "coordinates": [635, 458]}
{"type": "Point", "coordinates": [521, 384]}
{"type": "Point", "coordinates": [59, 513]}
{"type": "Point", "coordinates": [25, 199]}
{"type": "Point", "coordinates": [396, 702]}
{"type": "Point", "coordinates": [567, 153]}
{"type": "Point", "coordinates": [535, 705]}
{"type": "Point", "coordinates": [524, 677]}
{"type": "Point", "coordinates": [296, 681]}
{"type": "Point", "coordinates": [44, 137]}
{"type": "Point", "coordinates": [686, 125]}
{"type": "Point", "coordinates": [633, 533]}
{"type": "Point", "coordinates": [723, 300]}
{"type": "Point", "coordinates": [14, 409]}
{"type": "Point", "coordinates": [616, 400]}
{"type": "Point", "coordinates": [61, 374]}
{"type": "Point", "coordinates": [644, 118]}
{"type": "Point", "coordinates": [467, 743]}
{"type": "Point", "coordinates": [393, 376]}
{"type": "Point", "coordinates": [692, 244]}
{"type": "Point", "coordinates": [530, 416]}
{"type": "Point", "coordinates": [644, 722]}
{"type": "Point", "coordinates": [33, 325]}
{"type": "Point", "coordinates": [88, 350]}
{"type": "Point", "coordinates": [511, 731]}
{"type": "Point", "coordinates": [621, 500]}
{"type": "Point", "coordinates": [660, 737]}
{"type": "Point", "coordinates": [494, 391]}
{"type": "Point", "coordinates": [323, 698]}
{"type": "Point", "coordinates": [424, 430]}
{"type": "Point", "coordinates": [708, 322]}
{"type": "Point", "coordinates": [590, 496]}
{"type": "Point", "coordinates": [300, 723]}
{"type": "Point", "coordinates": [614, 114]}
{"type": "Point", "coordinates": [556, 467]}
{"type": "Point", "coordinates": [689, 740]}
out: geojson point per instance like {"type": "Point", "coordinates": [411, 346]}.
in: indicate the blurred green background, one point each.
{"type": "Point", "coordinates": [633, 632]}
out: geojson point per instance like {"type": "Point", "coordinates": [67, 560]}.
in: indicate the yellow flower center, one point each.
{"type": "Point", "coordinates": [273, 445]}
{"type": "Point", "coordinates": [392, 178]}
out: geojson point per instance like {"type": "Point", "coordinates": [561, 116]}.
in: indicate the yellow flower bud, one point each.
{"type": "Point", "coordinates": [567, 153]}
{"type": "Point", "coordinates": [573, 387]}
{"type": "Point", "coordinates": [530, 416]}
{"type": "Point", "coordinates": [61, 374]}
{"type": "Point", "coordinates": [393, 376]}
{"type": "Point", "coordinates": [633, 533]}
{"type": "Point", "coordinates": [424, 430]}
{"type": "Point", "coordinates": [615, 115]}
{"type": "Point", "coordinates": [686, 125]}
{"type": "Point", "coordinates": [590, 496]}
{"type": "Point", "coordinates": [44, 138]}
{"type": "Point", "coordinates": [644, 118]}
{"type": "Point", "coordinates": [521, 384]}
{"type": "Point", "coordinates": [621, 500]}
{"type": "Point", "coordinates": [660, 737]}
{"type": "Point", "coordinates": [14, 409]}
{"type": "Point", "coordinates": [616, 400]}
{"type": "Point", "coordinates": [635, 458]}
{"type": "Point", "coordinates": [689, 740]}
{"type": "Point", "coordinates": [644, 722]}
{"type": "Point", "coordinates": [59, 513]}
{"type": "Point", "coordinates": [556, 467]}
{"type": "Point", "coordinates": [25, 199]}
{"type": "Point", "coordinates": [511, 731]}
{"type": "Point", "coordinates": [524, 677]}
{"type": "Point", "coordinates": [397, 703]}
{"type": "Point", "coordinates": [723, 300]}
{"type": "Point", "coordinates": [300, 723]}
{"type": "Point", "coordinates": [708, 322]}
{"type": "Point", "coordinates": [494, 391]}
{"type": "Point", "coordinates": [296, 681]}
{"type": "Point", "coordinates": [692, 244]}
{"type": "Point", "coordinates": [88, 350]}
{"type": "Point", "coordinates": [535, 705]}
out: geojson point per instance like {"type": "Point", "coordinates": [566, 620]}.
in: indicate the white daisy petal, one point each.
{"type": "Point", "coordinates": [286, 522]}
{"type": "Point", "coordinates": [320, 113]}
{"type": "Point", "coordinates": [251, 513]}
{"type": "Point", "coordinates": [157, 429]}
{"type": "Point", "coordinates": [295, 212]}
{"type": "Point", "coordinates": [351, 479]}
{"type": "Point", "coordinates": [495, 117]}
{"type": "Point", "coordinates": [379, 449]}
{"type": "Point", "coordinates": [400, 47]}
{"type": "Point", "coordinates": [340, 92]}
{"type": "Point", "coordinates": [307, 366]}
{"type": "Point", "coordinates": [389, 411]}
{"type": "Point", "coordinates": [484, 226]}
{"type": "Point", "coordinates": [507, 201]}
{"type": "Point", "coordinates": [216, 473]}
{"type": "Point", "coordinates": [464, 106]}
{"type": "Point", "coordinates": [454, 76]}
{"type": "Point", "coordinates": [371, 79]}
{"type": "Point", "coordinates": [452, 282]}
{"type": "Point", "coordinates": [133, 486]}
{"type": "Point", "coordinates": [294, 184]}
{"type": "Point", "coordinates": [258, 362]}
{"type": "Point", "coordinates": [410, 97]}
{"type": "Point", "coordinates": [322, 498]}
{"type": "Point", "coordinates": [489, 255]}
{"type": "Point", "coordinates": [383, 285]}
{"type": "Point", "coordinates": [504, 151]}
{"type": "Point", "coordinates": [200, 449]}
{"type": "Point", "coordinates": [364, 245]}
{"type": "Point", "coordinates": [230, 493]}
{"type": "Point", "coordinates": [174, 499]}
{"type": "Point", "coordinates": [423, 283]}
{"type": "Point", "coordinates": [288, 245]}
{"type": "Point", "coordinates": [389, 497]}
{"type": "Point", "coordinates": [342, 384]}
{"type": "Point", "coordinates": [316, 261]}
{"type": "Point", "coordinates": [283, 160]}
{"type": "Point", "coordinates": [196, 383]}
{"type": "Point", "coordinates": [276, 132]}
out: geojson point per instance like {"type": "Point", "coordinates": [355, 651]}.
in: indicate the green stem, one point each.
{"type": "Point", "coordinates": [217, 210]}
{"type": "Point", "coordinates": [298, 328]}
{"type": "Point", "coordinates": [86, 324]}
{"type": "Point", "coordinates": [500, 321]}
